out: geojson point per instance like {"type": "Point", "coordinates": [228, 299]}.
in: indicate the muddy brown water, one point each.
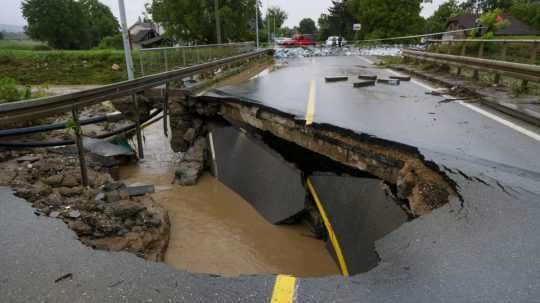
{"type": "Point", "coordinates": [214, 230]}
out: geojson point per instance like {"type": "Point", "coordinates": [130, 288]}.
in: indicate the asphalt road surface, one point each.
{"type": "Point", "coordinates": [482, 249]}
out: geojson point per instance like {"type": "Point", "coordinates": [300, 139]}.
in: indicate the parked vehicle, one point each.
{"type": "Point", "coordinates": [282, 40]}
{"type": "Point", "coordinates": [299, 41]}
{"type": "Point", "coordinates": [334, 41]}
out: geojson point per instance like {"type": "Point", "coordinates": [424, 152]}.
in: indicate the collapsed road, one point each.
{"type": "Point", "coordinates": [467, 184]}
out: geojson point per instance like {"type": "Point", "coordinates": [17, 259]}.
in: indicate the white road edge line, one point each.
{"type": "Point", "coordinates": [483, 112]}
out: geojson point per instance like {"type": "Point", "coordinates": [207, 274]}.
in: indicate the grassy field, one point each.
{"type": "Point", "coordinates": [20, 61]}
{"type": "Point", "coordinates": [22, 45]}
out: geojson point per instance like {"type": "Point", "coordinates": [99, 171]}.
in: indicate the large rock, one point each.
{"type": "Point", "coordinates": [188, 173]}
{"type": "Point", "coordinates": [125, 208]}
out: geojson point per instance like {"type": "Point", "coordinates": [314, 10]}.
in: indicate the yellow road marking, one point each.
{"type": "Point", "coordinates": [284, 289]}
{"type": "Point", "coordinates": [310, 112]}
{"type": "Point", "coordinates": [331, 234]}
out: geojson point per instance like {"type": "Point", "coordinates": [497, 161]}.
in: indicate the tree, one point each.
{"type": "Point", "coordinates": [338, 22]}
{"type": "Point", "coordinates": [387, 18]}
{"type": "Point", "coordinates": [437, 23]}
{"type": "Point", "coordinates": [527, 11]}
{"type": "Point", "coordinates": [1, 35]}
{"type": "Point", "coordinates": [101, 22]}
{"type": "Point", "coordinates": [68, 24]}
{"type": "Point", "coordinates": [193, 21]}
{"type": "Point", "coordinates": [479, 6]}
{"type": "Point", "coordinates": [492, 23]}
{"type": "Point", "coordinates": [307, 26]}
{"type": "Point", "coordinates": [276, 16]}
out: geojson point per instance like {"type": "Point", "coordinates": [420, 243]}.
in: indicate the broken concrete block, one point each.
{"type": "Point", "coordinates": [364, 84]}
{"type": "Point", "coordinates": [336, 78]}
{"type": "Point", "coordinates": [140, 190]}
{"type": "Point", "coordinates": [360, 212]}
{"type": "Point", "coordinates": [401, 78]}
{"type": "Point", "coordinates": [367, 77]}
{"type": "Point", "coordinates": [393, 82]}
{"type": "Point", "coordinates": [259, 174]}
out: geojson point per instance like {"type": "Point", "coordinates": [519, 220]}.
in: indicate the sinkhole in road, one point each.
{"type": "Point", "coordinates": [217, 227]}
{"type": "Point", "coordinates": [345, 208]}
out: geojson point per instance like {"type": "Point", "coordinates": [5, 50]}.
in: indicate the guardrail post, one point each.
{"type": "Point", "coordinates": [141, 54]}
{"type": "Point", "coordinates": [184, 56]}
{"type": "Point", "coordinates": [165, 59]}
{"type": "Point", "coordinates": [166, 110]}
{"type": "Point", "coordinates": [198, 55]}
{"type": "Point", "coordinates": [534, 50]}
{"type": "Point", "coordinates": [481, 50]}
{"type": "Point", "coordinates": [80, 146]}
{"type": "Point", "coordinates": [138, 130]}
{"type": "Point", "coordinates": [524, 85]}
{"type": "Point", "coordinates": [463, 53]}
{"type": "Point", "coordinates": [504, 51]}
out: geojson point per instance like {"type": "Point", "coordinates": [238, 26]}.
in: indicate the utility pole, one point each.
{"type": "Point", "coordinates": [257, 21]}
{"type": "Point", "coordinates": [218, 22]}
{"type": "Point", "coordinates": [125, 38]}
{"type": "Point", "coordinates": [268, 19]}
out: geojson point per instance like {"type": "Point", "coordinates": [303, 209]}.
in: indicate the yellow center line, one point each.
{"type": "Point", "coordinates": [310, 112]}
{"type": "Point", "coordinates": [331, 234]}
{"type": "Point", "coordinates": [284, 289]}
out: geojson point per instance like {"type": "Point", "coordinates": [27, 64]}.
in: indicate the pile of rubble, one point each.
{"type": "Point", "coordinates": [314, 51]}
{"type": "Point", "coordinates": [104, 215]}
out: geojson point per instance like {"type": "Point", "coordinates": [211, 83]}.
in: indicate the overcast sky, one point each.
{"type": "Point", "coordinates": [10, 13]}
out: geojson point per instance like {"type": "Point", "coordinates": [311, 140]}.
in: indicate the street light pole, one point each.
{"type": "Point", "coordinates": [125, 38]}
{"type": "Point", "coordinates": [218, 22]}
{"type": "Point", "coordinates": [268, 18]}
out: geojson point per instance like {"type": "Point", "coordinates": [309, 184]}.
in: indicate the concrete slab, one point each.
{"type": "Point", "coordinates": [360, 213]}
{"type": "Point", "coordinates": [258, 174]}
{"type": "Point", "coordinates": [105, 149]}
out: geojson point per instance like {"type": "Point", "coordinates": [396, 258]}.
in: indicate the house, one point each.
{"type": "Point", "coordinates": [145, 34]}
{"type": "Point", "coordinates": [516, 28]}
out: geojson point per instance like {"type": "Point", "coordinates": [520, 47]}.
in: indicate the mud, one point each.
{"type": "Point", "coordinates": [213, 230]}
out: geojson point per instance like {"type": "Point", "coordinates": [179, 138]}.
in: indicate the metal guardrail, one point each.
{"type": "Point", "coordinates": [158, 60]}
{"type": "Point", "coordinates": [17, 111]}
{"type": "Point", "coordinates": [25, 110]}
{"type": "Point", "coordinates": [504, 43]}
{"type": "Point", "coordinates": [525, 72]}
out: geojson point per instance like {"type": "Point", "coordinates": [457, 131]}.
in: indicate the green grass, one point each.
{"type": "Point", "coordinates": [22, 45]}
{"type": "Point", "coordinates": [29, 67]}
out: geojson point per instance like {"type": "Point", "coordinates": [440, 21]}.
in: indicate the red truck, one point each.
{"type": "Point", "coordinates": [299, 41]}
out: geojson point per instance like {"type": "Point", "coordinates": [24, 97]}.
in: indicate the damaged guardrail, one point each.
{"type": "Point", "coordinates": [524, 72]}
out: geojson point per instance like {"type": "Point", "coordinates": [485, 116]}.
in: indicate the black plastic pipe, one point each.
{"type": "Point", "coordinates": [38, 144]}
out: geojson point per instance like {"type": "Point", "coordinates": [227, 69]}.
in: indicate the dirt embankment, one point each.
{"type": "Point", "coordinates": [103, 215]}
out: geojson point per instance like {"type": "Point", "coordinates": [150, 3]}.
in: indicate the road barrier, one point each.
{"type": "Point", "coordinates": [533, 46]}
{"type": "Point", "coordinates": [42, 107]}
{"type": "Point", "coordinates": [524, 72]}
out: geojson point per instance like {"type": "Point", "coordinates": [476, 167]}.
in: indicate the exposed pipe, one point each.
{"type": "Point", "coordinates": [38, 144]}
{"type": "Point", "coordinates": [57, 126]}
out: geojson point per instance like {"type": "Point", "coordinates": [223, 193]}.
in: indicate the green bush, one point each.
{"type": "Point", "coordinates": [111, 42]}
{"type": "Point", "coordinates": [9, 91]}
